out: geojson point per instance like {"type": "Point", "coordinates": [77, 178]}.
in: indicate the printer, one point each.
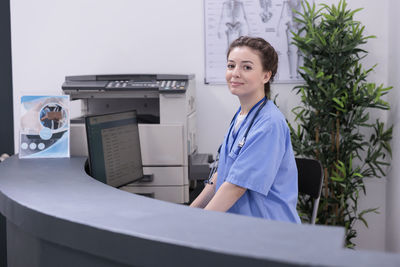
{"type": "Point", "coordinates": [166, 109]}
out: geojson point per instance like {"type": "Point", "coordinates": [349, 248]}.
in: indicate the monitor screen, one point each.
{"type": "Point", "coordinates": [114, 148]}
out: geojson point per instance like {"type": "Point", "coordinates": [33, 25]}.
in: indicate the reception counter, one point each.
{"type": "Point", "coordinates": [56, 215]}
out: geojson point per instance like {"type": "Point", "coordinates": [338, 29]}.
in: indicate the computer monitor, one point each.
{"type": "Point", "coordinates": [114, 148]}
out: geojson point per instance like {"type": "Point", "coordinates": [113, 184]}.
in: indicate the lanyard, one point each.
{"type": "Point", "coordinates": [243, 141]}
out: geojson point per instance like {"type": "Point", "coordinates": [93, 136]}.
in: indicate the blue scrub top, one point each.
{"type": "Point", "coordinates": [265, 166]}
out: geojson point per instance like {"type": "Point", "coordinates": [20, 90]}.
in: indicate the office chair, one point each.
{"type": "Point", "coordinates": [310, 179]}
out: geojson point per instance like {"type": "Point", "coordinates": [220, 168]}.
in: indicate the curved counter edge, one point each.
{"type": "Point", "coordinates": [56, 214]}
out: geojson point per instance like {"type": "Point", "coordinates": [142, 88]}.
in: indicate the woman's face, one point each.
{"type": "Point", "coordinates": [244, 72]}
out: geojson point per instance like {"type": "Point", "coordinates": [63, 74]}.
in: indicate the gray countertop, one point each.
{"type": "Point", "coordinates": [56, 201]}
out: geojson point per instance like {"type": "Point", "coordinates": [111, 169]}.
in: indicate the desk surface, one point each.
{"type": "Point", "coordinates": [54, 201]}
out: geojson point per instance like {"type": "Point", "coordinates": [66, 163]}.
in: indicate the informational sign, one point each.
{"type": "Point", "coordinates": [44, 130]}
{"type": "Point", "coordinates": [273, 20]}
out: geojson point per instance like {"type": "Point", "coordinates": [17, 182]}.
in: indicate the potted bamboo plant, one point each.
{"type": "Point", "coordinates": [333, 121]}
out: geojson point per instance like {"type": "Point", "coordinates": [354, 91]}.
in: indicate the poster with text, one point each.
{"type": "Point", "coordinates": [44, 127]}
{"type": "Point", "coordinates": [273, 20]}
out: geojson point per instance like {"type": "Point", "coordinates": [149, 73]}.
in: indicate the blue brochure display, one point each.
{"type": "Point", "coordinates": [44, 127]}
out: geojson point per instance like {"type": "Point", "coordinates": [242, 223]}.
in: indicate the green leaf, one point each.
{"type": "Point", "coordinates": [319, 75]}
{"type": "Point", "coordinates": [337, 101]}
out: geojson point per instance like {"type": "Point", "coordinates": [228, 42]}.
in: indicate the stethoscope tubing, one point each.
{"type": "Point", "coordinates": [243, 141]}
{"type": "Point", "coordinates": [214, 167]}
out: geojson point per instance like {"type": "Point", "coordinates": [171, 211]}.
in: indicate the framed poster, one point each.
{"type": "Point", "coordinates": [44, 127]}
{"type": "Point", "coordinates": [273, 20]}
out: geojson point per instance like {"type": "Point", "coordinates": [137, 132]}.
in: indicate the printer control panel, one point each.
{"type": "Point", "coordinates": [165, 86]}
{"type": "Point", "coordinates": [83, 86]}
{"type": "Point", "coordinates": [172, 85]}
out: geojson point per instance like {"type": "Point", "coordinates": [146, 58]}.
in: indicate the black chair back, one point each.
{"type": "Point", "coordinates": [310, 176]}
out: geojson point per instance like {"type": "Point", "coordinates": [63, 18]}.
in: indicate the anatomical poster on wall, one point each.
{"type": "Point", "coordinates": [273, 20]}
{"type": "Point", "coordinates": [44, 127]}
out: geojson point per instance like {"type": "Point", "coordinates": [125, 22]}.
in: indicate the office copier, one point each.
{"type": "Point", "coordinates": [166, 110]}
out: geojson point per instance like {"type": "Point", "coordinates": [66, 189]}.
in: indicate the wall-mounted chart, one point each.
{"type": "Point", "coordinates": [273, 20]}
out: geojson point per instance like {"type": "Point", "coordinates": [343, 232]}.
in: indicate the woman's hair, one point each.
{"type": "Point", "coordinates": [268, 56]}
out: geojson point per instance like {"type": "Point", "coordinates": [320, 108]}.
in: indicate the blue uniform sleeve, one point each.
{"type": "Point", "coordinates": [256, 165]}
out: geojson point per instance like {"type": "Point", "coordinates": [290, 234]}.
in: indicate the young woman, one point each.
{"type": "Point", "coordinates": [257, 173]}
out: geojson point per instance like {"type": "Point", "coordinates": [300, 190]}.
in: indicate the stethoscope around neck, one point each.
{"type": "Point", "coordinates": [242, 142]}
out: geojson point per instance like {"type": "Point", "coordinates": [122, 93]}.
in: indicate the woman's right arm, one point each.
{"type": "Point", "coordinates": [206, 195]}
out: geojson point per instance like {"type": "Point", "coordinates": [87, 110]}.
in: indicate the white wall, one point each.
{"type": "Point", "coordinates": [52, 39]}
{"type": "Point", "coordinates": [393, 185]}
